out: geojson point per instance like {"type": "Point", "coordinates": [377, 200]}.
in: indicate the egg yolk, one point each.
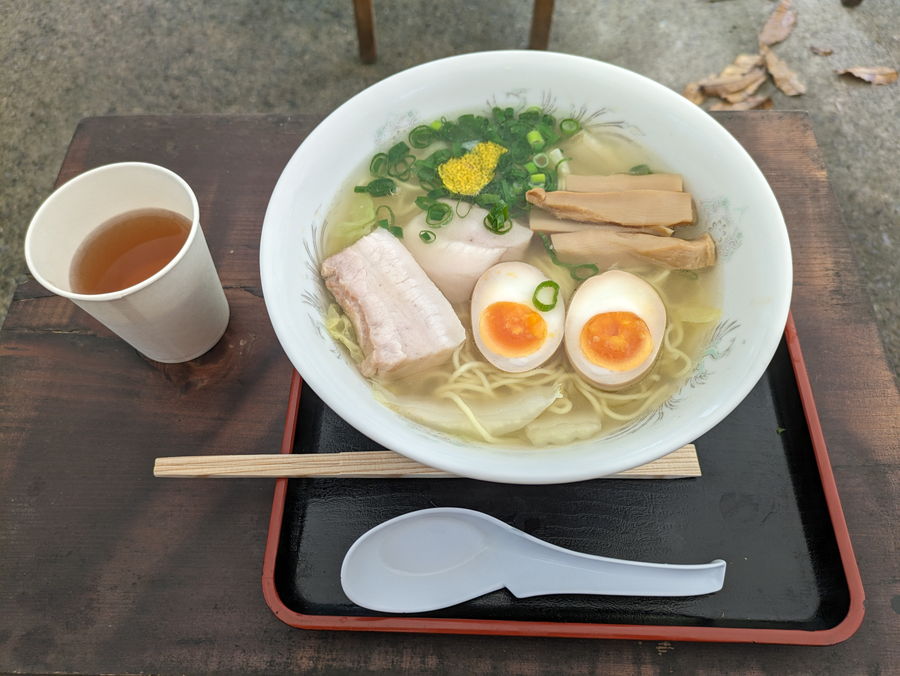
{"type": "Point", "coordinates": [512, 329]}
{"type": "Point", "coordinates": [618, 341]}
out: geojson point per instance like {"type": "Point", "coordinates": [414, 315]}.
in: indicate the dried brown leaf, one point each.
{"type": "Point", "coordinates": [754, 102]}
{"type": "Point", "coordinates": [785, 79]}
{"type": "Point", "coordinates": [719, 86]}
{"type": "Point", "coordinates": [821, 51]}
{"type": "Point", "coordinates": [751, 88]}
{"type": "Point", "coordinates": [880, 75]}
{"type": "Point", "coordinates": [745, 72]}
{"type": "Point", "coordinates": [748, 61]}
{"type": "Point", "coordinates": [693, 94]}
{"type": "Point", "coordinates": [779, 24]}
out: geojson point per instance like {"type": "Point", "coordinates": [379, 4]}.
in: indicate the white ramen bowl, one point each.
{"type": "Point", "coordinates": [730, 192]}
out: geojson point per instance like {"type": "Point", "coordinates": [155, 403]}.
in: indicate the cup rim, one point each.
{"type": "Point", "coordinates": [130, 290]}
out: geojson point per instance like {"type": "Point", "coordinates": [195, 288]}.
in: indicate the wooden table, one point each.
{"type": "Point", "coordinates": [104, 569]}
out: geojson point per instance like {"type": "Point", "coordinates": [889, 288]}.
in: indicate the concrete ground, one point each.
{"type": "Point", "coordinates": [66, 59]}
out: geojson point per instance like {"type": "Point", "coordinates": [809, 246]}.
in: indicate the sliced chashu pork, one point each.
{"type": "Point", "coordinates": [462, 250]}
{"type": "Point", "coordinates": [606, 248]}
{"type": "Point", "coordinates": [403, 323]}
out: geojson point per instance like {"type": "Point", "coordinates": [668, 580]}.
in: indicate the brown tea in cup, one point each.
{"type": "Point", "coordinates": [127, 249]}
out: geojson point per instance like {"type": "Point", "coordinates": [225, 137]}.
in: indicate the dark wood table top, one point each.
{"type": "Point", "coordinates": [104, 569]}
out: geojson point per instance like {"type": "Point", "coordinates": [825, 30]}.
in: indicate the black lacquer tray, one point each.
{"type": "Point", "coordinates": [766, 504]}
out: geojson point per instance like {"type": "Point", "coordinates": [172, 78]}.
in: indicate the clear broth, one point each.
{"type": "Point", "coordinates": [686, 295]}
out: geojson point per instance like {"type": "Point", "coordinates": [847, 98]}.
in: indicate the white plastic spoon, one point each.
{"type": "Point", "coordinates": [435, 558]}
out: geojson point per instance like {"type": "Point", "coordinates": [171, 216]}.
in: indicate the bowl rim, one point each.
{"type": "Point", "coordinates": [512, 472]}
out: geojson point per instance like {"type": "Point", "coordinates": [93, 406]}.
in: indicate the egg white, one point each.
{"type": "Point", "coordinates": [515, 282]}
{"type": "Point", "coordinates": [613, 291]}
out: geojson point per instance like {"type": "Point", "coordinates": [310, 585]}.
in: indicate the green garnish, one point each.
{"type": "Point", "coordinates": [551, 303]}
{"type": "Point", "coordinates": [388, 222]}
{"type": "Point", "coordinates": [579, 272]}
{"type": "Point", "coordinates": [400, 161]}
{"type": "Point", "coordinates": [463, 214]}
{"type": "Point", "coordinates": [535, 140]}
{"type": "Point", "coordinates": [427, 236]}
{"type": "Point", "coordinates": [538, 179]}
{"type": "Point", "coordinates": [584, 271]}
{"type": "Point", "coordinates": [390, 213]}
{"type": "Point", "coordinates": [380, 187]}
{"type": "Point", "coordinates": [395, 230]}
{"type": "Point", "coordinates": [640, 170]}
{"type": "Point", "coordinates": [378, 165]}
{"type": "Point", "coordinates": [422, 136]}
{"type": "Point", "coordinates": [438, 214]}
{"type": "Point", "coordinates": [569, 126]}
{"type": "Point", "coordinates": [528, 136]}
{"type": "Point", "coordinates": [487, 199]}
{"type": "Point", "coordinates": [498, 220]}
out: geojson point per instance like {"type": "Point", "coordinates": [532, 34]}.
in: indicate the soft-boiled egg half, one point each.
{"type": "Point", "coordinates": [518, 316]}
{"type": "Point", "coordinates": [614, 329]}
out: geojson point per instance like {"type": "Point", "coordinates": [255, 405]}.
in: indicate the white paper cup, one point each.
{"type": "Point", "coordinates": [176, 314]}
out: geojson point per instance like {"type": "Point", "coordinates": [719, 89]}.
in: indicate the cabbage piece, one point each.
{"type": "Point", "coordinates": [340, 328]}
{"type": "Point", "coordinates": [355, 221]}
{"type": "Point", "coordinates": [552, 429]}
{"type": "Point", "coordinates": [505, 414]}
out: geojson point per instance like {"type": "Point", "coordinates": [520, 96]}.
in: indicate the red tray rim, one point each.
{"type": "Point", "coordinates": [840, 632]}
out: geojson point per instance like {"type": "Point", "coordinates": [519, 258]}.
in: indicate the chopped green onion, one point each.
{"type": "Point", "coordinates": [569, 126]}
{"type": "Point", "coordinates": [551, 303]}
{"type": "Point", "coordinates": [462, 214]}
{"type": "Point", "coordinates": [577, 272]}
{"type": "Point", "coordinates": [558, 159]}
{"type": "Point", "coordinates": [400, 161]}
{"type": "Point", "coordinates": [640, 170]}
{"type": "Point", "coordinates": [487, 199]}
{"type": "Point", "coordinates": [378, 165]}
{"type": "Point", "coordinates": [427, 236]}
{"type": "Point", "coordinates": [587, 270]}
{"type": "Point", "coordinates": [498, 220]}
{"type": "Point", "coordinates": [422, 136]}
{"type": "Point", "coordinates": [402, 168]}
{"type": "Point", "coordinates": [530, 137]}
{"type": "Point", "coordinates": [397, 152]}
{"type": "Point", "coordinates": [549, 248]}
{"type": "Point", "coordinates": [390, 213]}
{"type": "Point", "coordinates": [535, 139]}
{"type": "Point", "coordinates": [395, 230]}
{"type": "Point", "coordinates": [380, 187]}
{"type": "Point", "coordinates": [438, 214]}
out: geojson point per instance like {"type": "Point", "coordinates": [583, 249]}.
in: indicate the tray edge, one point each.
{"type": "Point", "coordinates": [836, 634]}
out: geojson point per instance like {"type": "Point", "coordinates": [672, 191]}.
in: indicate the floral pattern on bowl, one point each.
{"type": "Point", "coordinates": [730, 191]}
